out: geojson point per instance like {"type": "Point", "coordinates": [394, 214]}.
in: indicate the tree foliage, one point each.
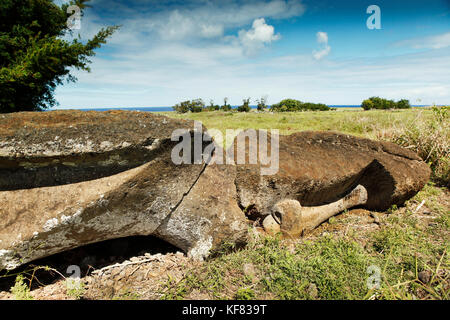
{"type": "Point", "coordinates": [245, 106]}
{"type": "Point", "coordinates": [261, 103]}
{"type": "Point", "coordinates": [35, 55]}
{"type": "Point", "coordinates": [226, 106]}
{"type": "Point", "coordinates": [196, 105]}
{"type": "Point", "coordinates": [385, 104]}
{"type": "Point", "coordinates": [212, 106]}
{"type": "Point", "coordinates": [290, 105]}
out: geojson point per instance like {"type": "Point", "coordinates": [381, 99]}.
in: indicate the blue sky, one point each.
{"type": "Point", "coordinates": [169, 51]}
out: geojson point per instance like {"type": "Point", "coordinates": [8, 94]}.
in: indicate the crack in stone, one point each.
{"type": "Point", "coordinates": [174, 208]}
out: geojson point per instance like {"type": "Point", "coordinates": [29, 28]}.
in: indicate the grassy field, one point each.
{"type": "Point", "coordinates": [347, 120]}
{"type": "Point", "coordinates": [398, 254]}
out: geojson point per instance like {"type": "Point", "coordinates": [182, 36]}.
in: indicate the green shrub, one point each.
{"type": "Point", "coordinates": [212, 106]}
{"type": "Point", "coordinates": [384, 104]}
{"type": "Point", "coordinates": [245, 294]}
{"type": "Point", "coordinates": [193, 106]}
{"type": "Point", "coordinates": [291, 105]}
{"type": "Point", "coordinates": [261, 104]}
{"type": "Point", "coordinates": [245, 106]}
{"type": "Point", "coordinates": [403, 104]}
{"type": "Point", "coordinates": [226, 106]}
{"type": "Point", "coordinates": [20, 290]}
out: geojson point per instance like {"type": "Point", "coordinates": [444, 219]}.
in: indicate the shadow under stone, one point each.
{"type": "Point", "coordinates": [88, 258]}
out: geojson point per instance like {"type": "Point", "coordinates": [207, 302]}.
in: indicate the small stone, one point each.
{"type": "Point", "coordinates": [312, 291]}
{"type": "Point", "coordinates": [376, 220]}
{"type": "Point", "coordinates": [249, 270]}
{"type": "Point", "coordinates": [109, 283]}
{"type": "Point", "coordinates": [271, 226]}
{"type": "Point", "coordinates": [139, 276]}
{"type": "Point", "coordinates": [424, 276]}
{"type": "Point", "coordinates": [135, 259]}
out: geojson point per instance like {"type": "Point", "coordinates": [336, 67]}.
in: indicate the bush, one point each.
{"type": "Point", "coordinates": [384, 104]}
{"type": "Point", "coordinates": [226, 106]}
{"type": "Point", "coordinates": [403, 104]}
{"type": "Point", "coordinates": [261, 104]}
{"type": "Point", "coordinates": [212, 106]}
{"type": "Point", "coordinates": [20, 290]}
{"type": "Point", "coordinates": [182, 107]}
{"type": "Point", "coordinates": [193, 106]}
{"type": "Point", "coordinates": [290, 105]}
{"type": "Point", "coordinates": [245, 106]}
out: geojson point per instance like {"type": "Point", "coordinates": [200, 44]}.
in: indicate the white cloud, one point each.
{"type": "Point", "coordinates": [431, 42]}
{"type": "Point", "coordinates": [214, 18]}
{"type": "Point", "coordinates": [322, 38]}
{"type": "Point", "coordinates": [322, 53]}
{"type": "Point", "coordinates": [259, 35]}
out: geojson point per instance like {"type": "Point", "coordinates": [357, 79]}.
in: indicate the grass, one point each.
{"type": "Point", "coordinates": [346, 120]}
{"type": "Point", "coordinates": [75, 289]}
{"type": "Point", "coordinates": [20, 290]}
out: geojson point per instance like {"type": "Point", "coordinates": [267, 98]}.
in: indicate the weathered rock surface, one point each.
{"type": "Point", "coordinates": [139, 191]}
{"type": "Point", "coordinates": [322, 168]}
{"type": "Point", "coordinates": [63, 147]}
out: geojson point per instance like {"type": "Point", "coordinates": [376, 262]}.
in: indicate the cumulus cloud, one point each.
{"type": "Point", "coordinates": [322, 38]}
{"type": "Point", "coordinates": [431, 42]}
{"type": "Point", "coordinates": [213, 19]}
{"type": "Point", "coordinates": [258, 36]}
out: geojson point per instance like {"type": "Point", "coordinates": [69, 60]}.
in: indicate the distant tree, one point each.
{"type": "Point", "coordinates": [245, 106]}
{"type": "Point", "coordinates": [261, 103]}
{"type": "Point", "coordinates": [367, 104]}
{"type": "Point", "coordinates": [291, 105]}
{"type": "Point", "coordinates": [226, 106]}
{"type": "Point", "coordinates": [182, 107]}
{"type": "Point", "coordinates": [196, 105]}
{"type": "Point", "coordinates": [384, 104]}
{"type": "Point", "coordinates": [286, 105]}
{"type": "Point", "coordinates": [35, 56]}
{"type": "Point", "coordinates": [403, 104]}
{"type": "Point", "coordinates": [212, 106]}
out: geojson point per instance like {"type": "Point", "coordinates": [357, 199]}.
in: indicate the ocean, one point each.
{"type": "Point", "coordinates": [169, 109]}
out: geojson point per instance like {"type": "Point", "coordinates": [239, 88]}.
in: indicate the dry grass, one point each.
{"type": "Point", "coordinates": [429, 138]}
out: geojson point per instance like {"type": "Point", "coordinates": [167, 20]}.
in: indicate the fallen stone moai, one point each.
{"type": "Point", "coordinates": [71, 178]}
{"type": "Point", "coordinates": [323, 173]}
